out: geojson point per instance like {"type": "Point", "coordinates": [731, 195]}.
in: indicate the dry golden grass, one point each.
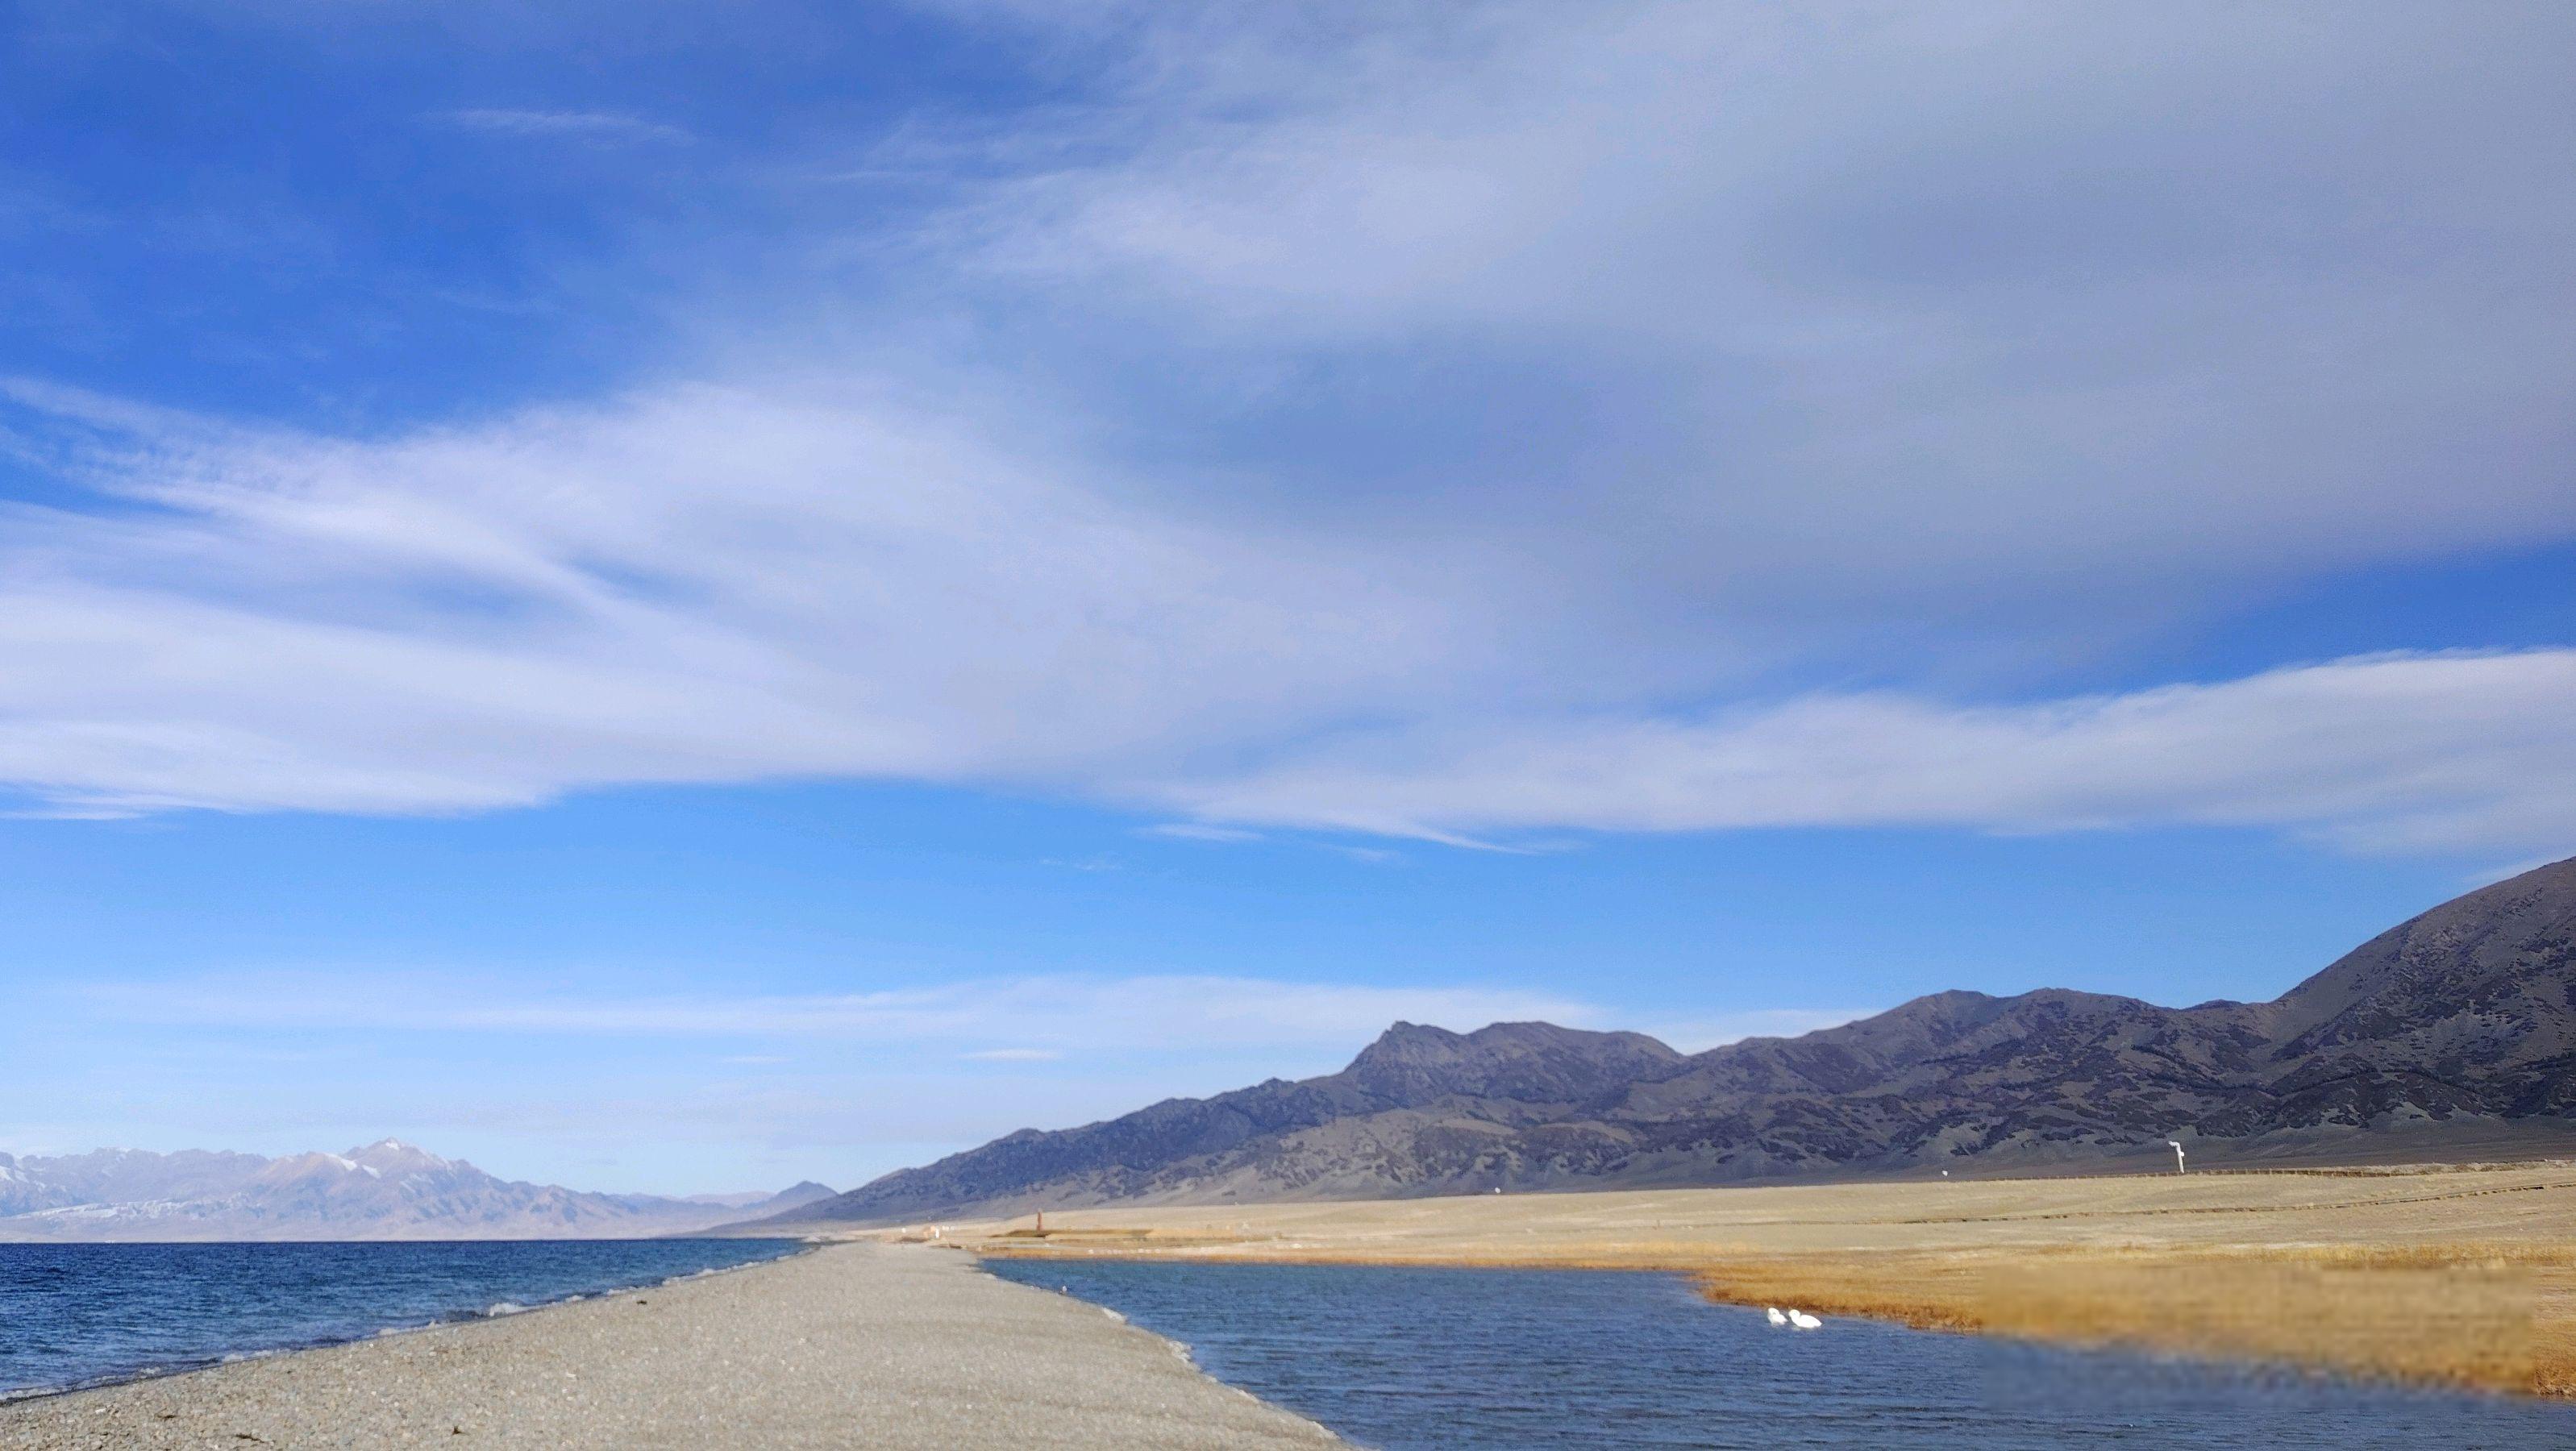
{"type": "Point", "coordinates": [2464, 1315]}
{"type": "Point", "coordinates": [2462, 1275]}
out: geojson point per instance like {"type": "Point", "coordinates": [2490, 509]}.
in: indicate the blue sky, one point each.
{"type": "Point", "coordinates": [690, 598]}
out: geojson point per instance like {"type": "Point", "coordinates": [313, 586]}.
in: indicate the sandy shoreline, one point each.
{"type": "Point", "coordinates": [2446, 1275]}
{"type": "Point", "coordinates": [886, 1346]}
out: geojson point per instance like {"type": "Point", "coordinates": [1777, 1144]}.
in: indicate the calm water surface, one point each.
{"type": "Point", "coordinates": [1496, 1359]}
{"type": "Point", "coordinates": [81, 1314]}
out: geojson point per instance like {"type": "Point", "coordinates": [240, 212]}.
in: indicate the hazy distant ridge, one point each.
{"type": "Point", "coordinates": [2452, 1032]}
{"type": "Point", "coordinates": [386, 1190]}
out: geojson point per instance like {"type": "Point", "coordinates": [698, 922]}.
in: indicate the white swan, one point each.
{"type": "Point", "coordinates": [1776, 1317]}
{"type": "Point", "coordinates": [1803, 1320]}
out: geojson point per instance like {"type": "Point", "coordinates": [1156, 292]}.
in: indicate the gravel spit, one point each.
{"type": "Point", "coordinates": [881, 1346]}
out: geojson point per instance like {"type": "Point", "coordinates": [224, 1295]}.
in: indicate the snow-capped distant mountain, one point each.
{"type": "Point", "coordinates": [386, 1190]}
{"type": "Point", "coordinates": [119, 1175]}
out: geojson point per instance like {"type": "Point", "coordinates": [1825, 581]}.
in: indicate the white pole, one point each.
{"type": "Point", "coordinates": [2176, 1146]}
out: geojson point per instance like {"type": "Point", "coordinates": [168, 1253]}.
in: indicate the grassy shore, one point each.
{"type": "Point", "coordinates": [2457, 1275]}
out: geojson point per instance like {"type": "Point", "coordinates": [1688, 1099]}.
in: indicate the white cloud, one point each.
{"type": "Point", "coordinates": [702, 584]}
{"type": "Point", "coordinates": [708, 585]}
{"type": "Point", "coordinates": [591, 126]}
{"type": "Point", "coordinates": [1199, 831]}
{"type": "Point", "coordinates": [2446, 752]}
{"type": "Point", "coordinates": [1954, 305]}
{"type": "Point", "coordinates": [849, 1083]}
{"type": "Point", "coordinates": [1376, 856]}
{"type": "Point", "coordinates": [1013, 1019]}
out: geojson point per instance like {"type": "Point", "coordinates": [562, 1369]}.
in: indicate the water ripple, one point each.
{"type": "Point", "coordinates": [1547, 1360]}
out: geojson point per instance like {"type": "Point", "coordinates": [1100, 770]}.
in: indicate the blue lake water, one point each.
{"type": "Point", "coordinates": [1414, 1359]}
{"type": "Point", "coordinates": [80, 1314]}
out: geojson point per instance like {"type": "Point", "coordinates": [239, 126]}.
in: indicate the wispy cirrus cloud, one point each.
{"type": "Point", "coordinates": [1199, 831]}
{"type": "Point", "coordinates": [852, 1083]}
{"type": "Point", "coordinates": [595, 127]}
{"type": "Point", "coordinates": [713, 585]}
{"type": "Point", "coordinates": [1014, 1019]}
{"type": "Point", "coordinates": [2446, 752]}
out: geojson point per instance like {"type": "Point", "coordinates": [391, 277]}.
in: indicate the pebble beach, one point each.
{"type": "Point", "coordinates": [885, 1346]}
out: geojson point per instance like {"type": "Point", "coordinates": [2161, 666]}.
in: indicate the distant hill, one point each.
{"type": "Point", "coordinates": [2452, 1034]}
{"type": "Point", "coordinates": [790, 1197]}
{"type": "Point", "coordinates": [387, 1190]}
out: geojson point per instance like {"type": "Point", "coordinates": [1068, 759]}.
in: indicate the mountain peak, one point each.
{"type": "Point", "coordinates": [1410, 1038]}
{"type": "Point", "coordinates": [1401, 1032]}
{"type": "Point", "coordinates": [1533, 1062]}
{"type": "Point", "coordinates": [395, 1154]}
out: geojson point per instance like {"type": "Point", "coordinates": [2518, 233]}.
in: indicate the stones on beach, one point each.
{"type": "Point", "coordinates": [916, 1347]}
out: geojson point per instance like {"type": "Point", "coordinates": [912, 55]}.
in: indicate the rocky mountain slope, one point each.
{"type": "Point", "coordinates": [387, 1190]}
{"type": "Point", "coordinates": [2454, 1033]}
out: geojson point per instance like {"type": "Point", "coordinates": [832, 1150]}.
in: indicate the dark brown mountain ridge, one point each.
{"type": "Point", "coordinates": [2449, 1034]}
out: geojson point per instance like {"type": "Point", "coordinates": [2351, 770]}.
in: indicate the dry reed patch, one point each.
{"type": "Point", "coordinates": [2483, 1316]}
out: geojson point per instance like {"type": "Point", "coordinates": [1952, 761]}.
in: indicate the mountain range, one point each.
{"type": "Point", "coordinates": [2450, 1035]}
{"type": "Point", "coordinates": [387, 1190]}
